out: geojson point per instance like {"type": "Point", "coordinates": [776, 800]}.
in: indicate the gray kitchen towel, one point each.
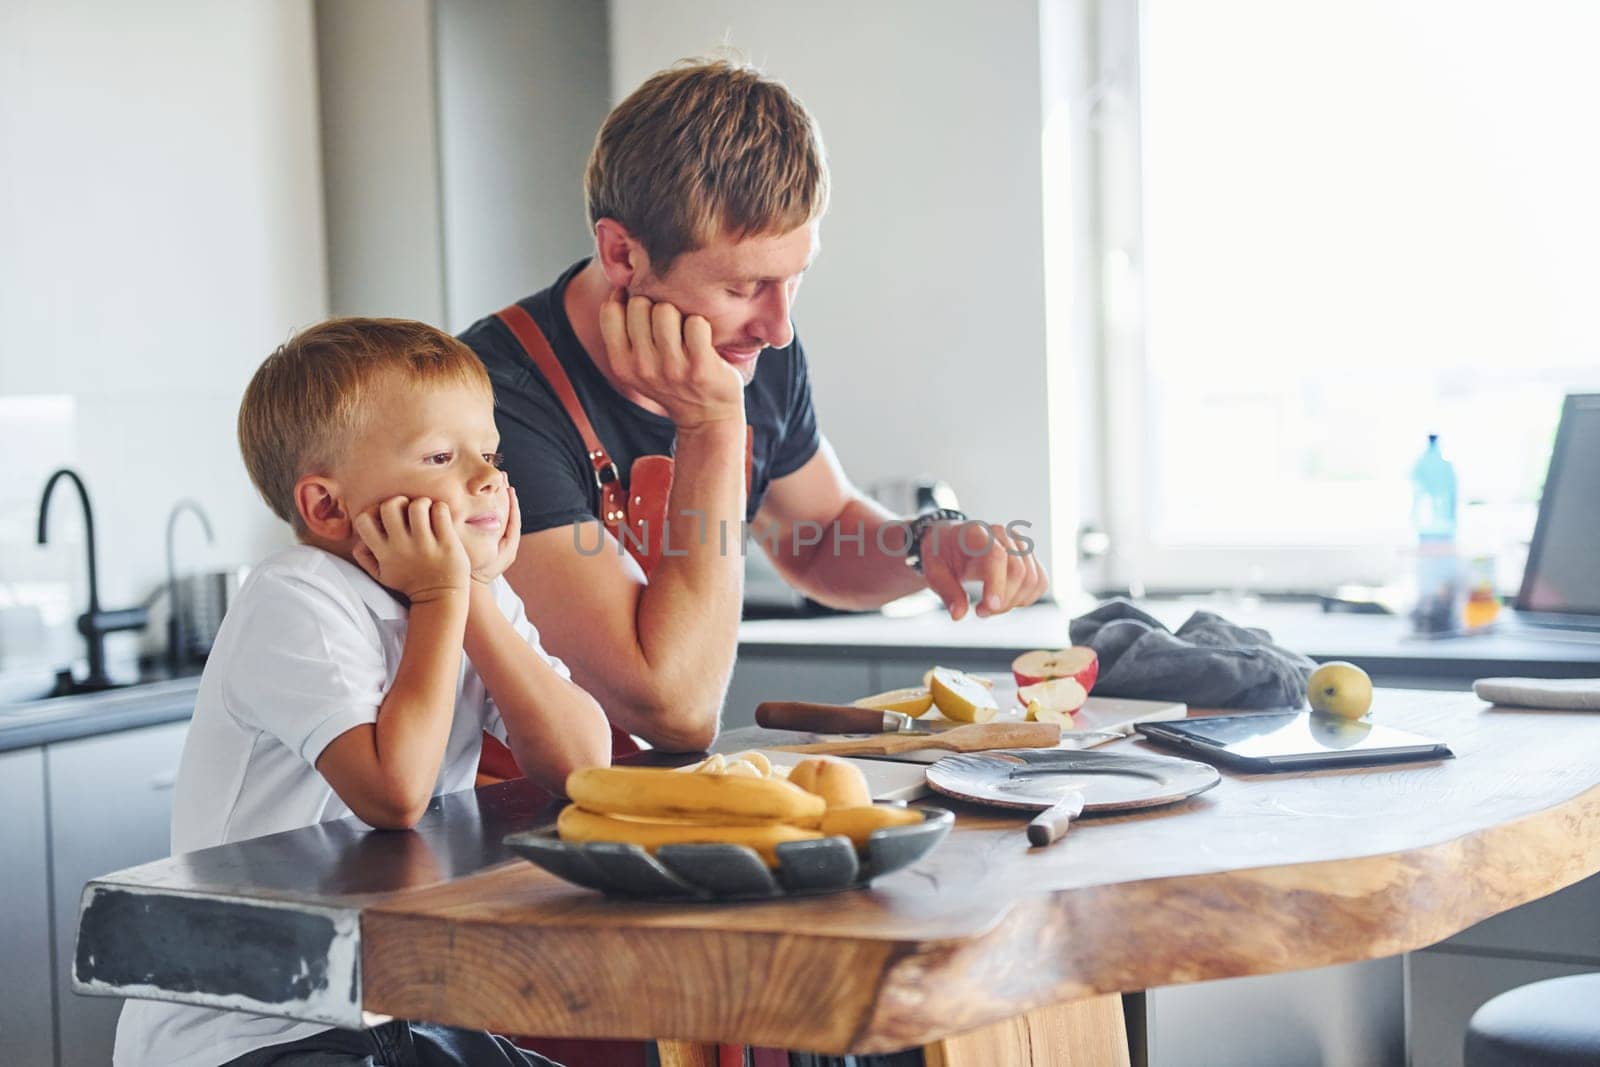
{"type": "Point", "coordinates": [1209, 663]}
{"type": "Point", "coordinates": [1558, 694]}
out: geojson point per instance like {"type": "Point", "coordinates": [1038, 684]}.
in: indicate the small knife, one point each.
{"type": "Point", "coordinates": [833, 719]}
{"type": "Point", "coordinates": [1050, 825]}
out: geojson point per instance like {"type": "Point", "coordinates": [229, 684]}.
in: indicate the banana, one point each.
{"type": "Point", "coordinates": [756, 759]}
{"type": "Point", "coordinates": [576, 824]}
{"type": "Point", "coordinates": [857, 823]}
{"type": "Point", "coordinates": [710, 798]}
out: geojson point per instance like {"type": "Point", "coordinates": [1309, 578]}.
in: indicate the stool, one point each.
{"type": "Point", "coordinates": [1555, 1023]}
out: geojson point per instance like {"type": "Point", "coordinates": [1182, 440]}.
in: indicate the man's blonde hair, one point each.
{"type": "Point", "coordinates": [308, 403]}
{"type": "Point", "coordinates": [704, 149]}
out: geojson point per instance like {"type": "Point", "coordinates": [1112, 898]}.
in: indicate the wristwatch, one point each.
{"type": "Point", "coordinates": [919, 525]}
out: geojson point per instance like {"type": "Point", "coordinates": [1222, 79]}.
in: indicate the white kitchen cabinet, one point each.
{"type": "Point", "coordinates": [1344, 1016]}
{"type": "Point", "coordinates": [110, 801]}
{"type": "Point", "coordinates": [26, 1027]}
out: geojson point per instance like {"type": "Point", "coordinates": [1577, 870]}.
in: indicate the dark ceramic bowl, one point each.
{"type": "Point", "coordinates": [731, 872]}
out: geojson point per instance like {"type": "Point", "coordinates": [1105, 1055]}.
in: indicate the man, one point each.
{"type": "Point", "coordinates": [705, 191]}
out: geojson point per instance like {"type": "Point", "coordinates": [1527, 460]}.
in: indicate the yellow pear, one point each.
{"type": "Point", "coordinates": [961, 697]}
{"type": "Point", "coordinates": [913, 701]}
{"type": "Point", "coordinates": [1341, 689]}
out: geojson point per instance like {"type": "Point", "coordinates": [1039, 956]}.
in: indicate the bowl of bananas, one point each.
{"type": "Point", "coordinates": [717, 832]}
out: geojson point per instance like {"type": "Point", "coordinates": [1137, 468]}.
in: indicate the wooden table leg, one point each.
{"type": "Point", "coordinates": [686, 1054]}
{"type": "Point", "coordinates": [1080, 1033]}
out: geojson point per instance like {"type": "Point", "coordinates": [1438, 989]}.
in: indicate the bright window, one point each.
{"type": "Point", "coordinates": [1360, 221]}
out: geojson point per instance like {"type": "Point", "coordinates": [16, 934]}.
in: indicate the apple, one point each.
{"type": "Point", "coordinates": [913, 701]}
{"type": "Point", "coordinates": [1053, 700]}
{"type": "Point", "coordinates": [1341, 689]}
{"type": "Point", "coordinates": [961, 697]}
{"type": "Point", "coordinates": [1078, 663]}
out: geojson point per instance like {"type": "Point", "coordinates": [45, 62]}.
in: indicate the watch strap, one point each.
{"type": "Point", "coordinates": [919, 526]}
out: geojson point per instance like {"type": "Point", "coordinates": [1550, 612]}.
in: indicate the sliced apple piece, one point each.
{"type": "Point", "coordinates": [913, 701]}
{"type": "Point", "coordinates": [1078, 663]}
{"type": "Point", "coordinates": [927, 678]}
{"type": "Point", "coordinates": [961, 697]}
{"type": "Point", "coordinates": [1054, 700]}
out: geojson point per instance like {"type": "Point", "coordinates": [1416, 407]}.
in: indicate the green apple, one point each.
{"type": "Point", "coordinates": [1341, 689]}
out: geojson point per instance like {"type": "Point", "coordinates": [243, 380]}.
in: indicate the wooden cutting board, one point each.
{"type": "Point", "coordinates": [1100, 715]}
{"type": "Point", "coordinates": [971, 737]}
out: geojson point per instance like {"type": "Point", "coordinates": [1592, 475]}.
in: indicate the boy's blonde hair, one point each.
{"type": "Point", "coordinates": [703, 149]}
{"type": "Point", "coordinates": [307, 404]}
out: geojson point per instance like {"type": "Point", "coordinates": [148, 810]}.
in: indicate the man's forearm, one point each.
{"type": "Point", "coordinates": [688, 615]}
{"type": "Point", "coordinates": [857, 564]}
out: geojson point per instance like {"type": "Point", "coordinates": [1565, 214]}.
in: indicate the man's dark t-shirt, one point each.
{"type": "Point", "coordinates": [544, 454]}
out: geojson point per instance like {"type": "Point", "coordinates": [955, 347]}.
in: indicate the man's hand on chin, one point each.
{"type": "Point", "coordinates": [656, 350]}
{"type": "Point", "coordinates": [954, 552]}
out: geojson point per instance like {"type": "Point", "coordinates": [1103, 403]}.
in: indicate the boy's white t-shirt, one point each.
{"type": "Point", "coordinates": [307, 651]}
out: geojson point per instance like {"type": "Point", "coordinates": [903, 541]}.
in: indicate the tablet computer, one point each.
{"type": "Point", "coordinates": [1291, 741]}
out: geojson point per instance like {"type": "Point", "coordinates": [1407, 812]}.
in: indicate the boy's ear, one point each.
{"type": "Point", "coordinates": [316, 498]}
{"type": "Point", "coordinates": [621, 256]}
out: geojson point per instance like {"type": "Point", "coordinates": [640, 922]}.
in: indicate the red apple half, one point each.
{"type": "Point", "coordinates": [1053, 700]}
{"type": "Point", "coordinates": [1078, 663]}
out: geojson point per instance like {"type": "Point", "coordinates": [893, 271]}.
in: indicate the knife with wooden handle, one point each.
{"type": "Point", "coordinates": [976, 737]}
{"type": "Point", "coordinates": [832, 718]}
{"type": "Point", "coordinates": [1050, 825]}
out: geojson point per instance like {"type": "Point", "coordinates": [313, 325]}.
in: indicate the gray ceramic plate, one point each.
{"type": "Point", "coordinates": [1032, 780]}
{"type": "Point", "coordinates": [731, 872]}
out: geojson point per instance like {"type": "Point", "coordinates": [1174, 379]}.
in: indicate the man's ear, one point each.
{"type": "Point", "coordinates": [316, 498]}
{"type": "Point", "coordinates": [620, 254]}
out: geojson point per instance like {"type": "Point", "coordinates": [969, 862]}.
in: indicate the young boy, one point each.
{"type": "Point", "coordinates": [337, 684]}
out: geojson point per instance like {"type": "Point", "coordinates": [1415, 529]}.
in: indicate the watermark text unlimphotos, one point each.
{"type": "Point", "coordinates": [893, 538]}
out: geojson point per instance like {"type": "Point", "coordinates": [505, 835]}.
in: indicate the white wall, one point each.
{"type": "Point", "coordinates": [924, 317]}
{"type": "Point", "coordinates": [161, 213]}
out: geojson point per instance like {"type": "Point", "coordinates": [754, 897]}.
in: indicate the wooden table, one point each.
{"type": "Point", "coordinates": [988, 952]}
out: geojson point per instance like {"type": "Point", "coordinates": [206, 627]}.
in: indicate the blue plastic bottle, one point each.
{"type": "Point", "coordinates": [1433, 494]}
{"type": "Point", "coordinates": [1433, 516]}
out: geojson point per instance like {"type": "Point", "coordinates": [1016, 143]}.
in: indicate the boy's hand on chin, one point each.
{"type": "Point", "coordinates": [505, 550]}
{"type": "Point", "coordinates": [410, 545]}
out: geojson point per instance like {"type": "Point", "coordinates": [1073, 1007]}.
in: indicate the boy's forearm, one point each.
{"type": "Point", "coordinates": [414, 720]}
{"type": "Point", "coordinates": [688, 617]}
{"type": "Point", "coordinates": [553, 726]}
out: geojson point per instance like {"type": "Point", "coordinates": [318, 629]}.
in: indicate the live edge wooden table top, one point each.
{"type": "Point", "coordinates": [1263, 873]}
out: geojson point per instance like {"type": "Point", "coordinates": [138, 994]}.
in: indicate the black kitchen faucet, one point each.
{"type": "Point", "coordinates": [93, 624]}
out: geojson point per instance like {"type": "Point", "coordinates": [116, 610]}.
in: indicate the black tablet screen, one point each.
{"type": "Point", "coordinates": [1264, 735]}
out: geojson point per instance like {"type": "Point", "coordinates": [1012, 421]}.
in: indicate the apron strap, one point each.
{"type": "Point", "coordinates": [613, 511]}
